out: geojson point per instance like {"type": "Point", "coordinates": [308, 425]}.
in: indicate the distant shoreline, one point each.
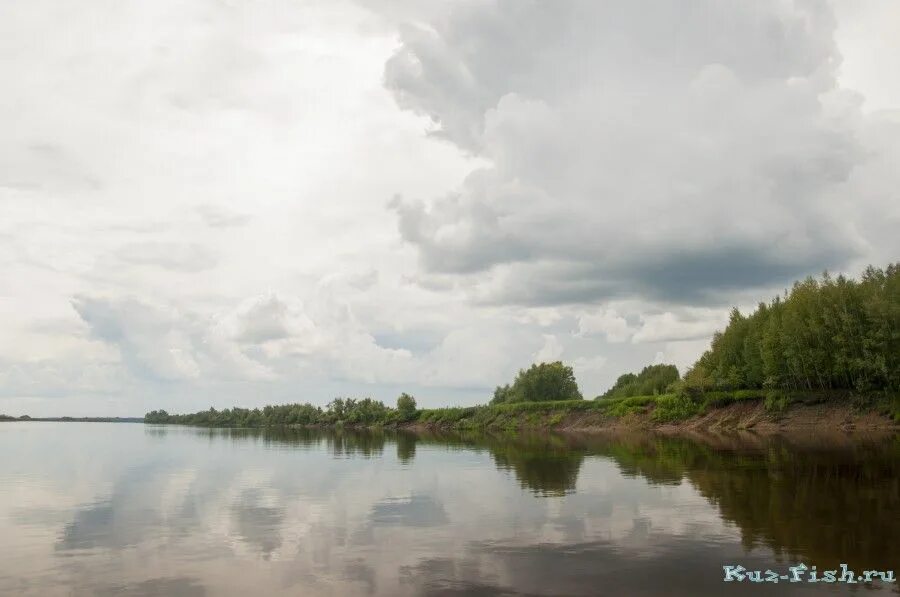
{"type": "Point", "coordinates": [27, 419]}
{"type": "Point", "coordinates": [721, 411]}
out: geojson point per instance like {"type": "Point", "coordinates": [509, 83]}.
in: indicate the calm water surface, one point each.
{"type": "Point", "coordinates": [129, 509]}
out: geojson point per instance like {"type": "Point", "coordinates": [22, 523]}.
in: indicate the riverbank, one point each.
{"type": "Point", "coordinates": [758, 410]}
{"type": "Point", "coordinates": [745, 410]}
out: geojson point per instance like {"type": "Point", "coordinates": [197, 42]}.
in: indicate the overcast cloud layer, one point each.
{"type": "Point", "coordinates": [216, 203]}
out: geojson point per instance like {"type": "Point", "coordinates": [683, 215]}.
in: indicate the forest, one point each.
{"type": "Point", "coordinates": [824, 334]}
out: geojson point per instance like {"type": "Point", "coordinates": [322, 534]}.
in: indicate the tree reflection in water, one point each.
{"type": "Point", "coordinates": [826, 498]}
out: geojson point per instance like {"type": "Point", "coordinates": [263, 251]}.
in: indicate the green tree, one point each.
{"type": "Point", "coordinates": [406, 407]}
{"type": "Point", "coordinates": [540, 382]}
{"type": "Point", "coordinates": [653, 379]}
{"type": "Point", "coordinates": [502, 395]}
{"type": "Point", "coordinates": [830, 333]}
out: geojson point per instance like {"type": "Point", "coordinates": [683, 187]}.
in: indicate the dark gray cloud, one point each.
{"type": "Point", "coordinates": [636, 150]}
{"type": "Point", "coordinates": [681, 276]}
{"type": "Point", "coordinates": [709, 275]}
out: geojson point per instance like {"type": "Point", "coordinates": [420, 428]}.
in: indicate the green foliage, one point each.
{"type": "Point", "coordinates": [340, 411]}
{"type": "Point", "coordinates": [675, 407]}
{"type": "Point", "coordinates": [368, 412]}
{"type": "Point", "coordinates": [777, 401]}
{"type": "Point", "coordinates": [544, 407]}
{"type": "Point", "coordinates": [653, 379]}
{"type": "Point", "coordinates": [719, 399]}
{"type": "Point", "coordinates": [540, 383]}
{"type": "Point", "coordinates": [446, 415]}
{"type": "Point", "coordinates": [505, 416]}
{"type": "Point", "coordinates": [156, 416]}
{"type": "Point", "coordinates": [833, 333]}
{"type": "Point", "coordinates": [621, 407]}
{"type": "Point", "coordinates": [406, 407]}
{"type": "Point", "coordinates": [503, 395]}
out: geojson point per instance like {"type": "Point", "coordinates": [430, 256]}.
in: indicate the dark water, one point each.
{"type": "Point", "coordinates": [109, 509]}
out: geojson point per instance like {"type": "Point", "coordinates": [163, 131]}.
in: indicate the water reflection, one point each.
{"type": "Point", "coordinates": [186, 511]}
{"type": "Point", "coordinates": [156, 587]}
{"type": "Point", "coordinates": [122, 519]}
{"type": "Point", "coordinates": [543, 464]}
{"type": "Point", "coordinates": [259, 525]}
{"type": "Point", "coordinates": [368, 444]}
{"type": "Point", "coordinates": [827, 497]}
{"type": "Point", "coordinates": [815, 497]}
{"type": "Point", "coordinates": [413, 511]}
{"type": "Point", "coordinates": [406, 446]}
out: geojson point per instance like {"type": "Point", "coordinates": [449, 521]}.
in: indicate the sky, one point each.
{"type": "Point", "coordinates": [219, 203]}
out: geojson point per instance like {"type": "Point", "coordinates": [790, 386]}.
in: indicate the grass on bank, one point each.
{"type": "Point", "coordinates": [681, 406]}
{"type": "Point", "coordinates": [503, 415]}
{"type": "Point", "coordinates": [663, 408]}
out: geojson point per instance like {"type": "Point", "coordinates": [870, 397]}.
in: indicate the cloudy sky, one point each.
{"type": "Point", "coordinates": [224, 202]}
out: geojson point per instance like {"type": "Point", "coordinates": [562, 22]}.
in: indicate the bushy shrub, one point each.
{"type": "Point", "coordinates": [652, 380]}
{"type": "Point", "coordinates": [620, 407]}
{"type": "Point", "coordinates": [540, 383]}
{"type": "Point", "coordinates": [776, 401]}
{"type": "Point", "coordinates": [676, 407]}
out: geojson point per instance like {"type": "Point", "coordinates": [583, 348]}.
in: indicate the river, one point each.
{"type": "Point", "coordinates": [132, 509]}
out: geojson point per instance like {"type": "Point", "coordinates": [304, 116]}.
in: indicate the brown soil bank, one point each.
{"type": "Point", "coordinates": [751, 415]}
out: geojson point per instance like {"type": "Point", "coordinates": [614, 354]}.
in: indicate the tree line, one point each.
{"type": "Point", "coordinates": [340, 411]}
{"type": "Point", "coordinates": [824, 334]}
